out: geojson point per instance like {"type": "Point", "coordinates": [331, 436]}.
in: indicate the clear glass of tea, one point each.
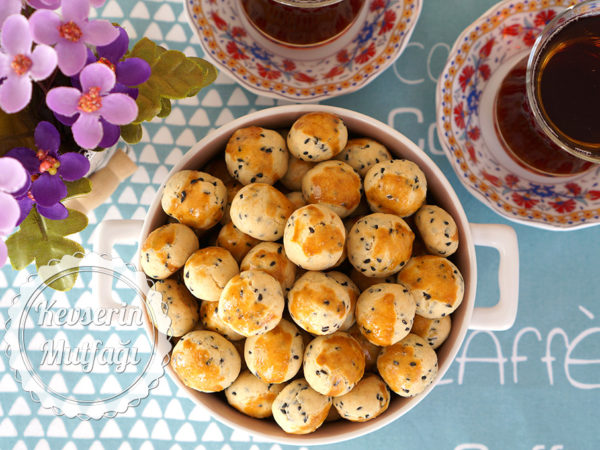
{"type": "Point", "coordinates": [547, 110]}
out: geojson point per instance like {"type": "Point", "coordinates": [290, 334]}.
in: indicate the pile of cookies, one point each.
{"type": "Point", "coordinates": [305, 275]}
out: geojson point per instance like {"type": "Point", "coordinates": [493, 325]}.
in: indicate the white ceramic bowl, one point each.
{"type": "Point", "coordinates": [466, 316]}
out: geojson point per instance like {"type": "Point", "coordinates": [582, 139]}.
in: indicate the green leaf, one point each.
{"type": "Point", "coordinates": [131, 133]}
{"type": "Point", "coordinates": [210, 71]}
{"type": "Point", "coordinates": [55, 248]}
{"type": "Point", "coordinates": [79, 187]}
{"type": "Point", "coordinates": [165, 108]}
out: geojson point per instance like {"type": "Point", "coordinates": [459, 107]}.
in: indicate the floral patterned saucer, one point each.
{"type": "Point", "coordinates": [372, 44]}
{"type": "Point", "coordinates": [480, 58]}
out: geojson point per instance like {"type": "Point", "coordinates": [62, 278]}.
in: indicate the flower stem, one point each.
{"type": "Point", "coordinates": [39, 220]}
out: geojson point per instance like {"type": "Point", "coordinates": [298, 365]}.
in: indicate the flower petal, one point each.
{"type": "Point", "coordinates": [99, 32]}
{"type": "Point", "coordinates": [47, 137]}
{"type": "Point", "coordinates": [97, 3]}
{"type": "Point", "coordinates": [44, 4]}
{"type": "Point", "coordinates": [122, 89]}
{"type": "Point", "coordinates": [63, 100]}
{"type": "Point", "coordinates": [133, 71]}
{"type": "Point", "coordinates": [54, 212]}
{"type": "Point", "coordinates": [44, 61]}
{"type": "Point", "coordinates": [116, 49]}
{"type": "Point", "coordinates": [25, 205]}
{"type": "Point", "coordinates": [14, 175]}
{"type": "Point", "coordinates": [16, 37]}
{"type": "Point", "coordinates": [44, 26]}
{"type": "Point", "coordinates": [68, 121]}
{"type": "Point", "coordinates": [9, 7]}
{"type": "Point", "coordinates": [73, 166]}
{"type": "Point", "coordinates": [48, 189]}
{"type": "Point", "coordinates": [26, 157]}
{"type": "Point", "coordinates": [110, 134]}
{"type": "Point", "coordinates": [71, 56]}
{"type": "Point", "coordinates": [87, 131]}
{"type": "Point", "coordinates": [118, 109]}
{"type": "Point", "coordinates": [15, 93]}
{"type": "Point", "coordinates": [10, 213]}
{"type": "Point", "coordinates": [75, 10]}
{"type": "Point", "coordinates": [97, 75]}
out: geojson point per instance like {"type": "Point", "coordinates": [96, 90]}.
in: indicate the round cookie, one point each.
{"type": "Point", "coordinates": [233, 187]}
{"type": "Point", "coordinates": [194, 198]}
{"type": "Point", "coordinates": [238, 243]}
{"type": "Point", "coordinates": [318, 303]}
{"type": "Point", "coordinates": [437, 229]}
{"type": "Point", "coordinates": [434, 331]}
{"type": "Point", "coordinates": [408, 366]}
{"type": "Point", "coordinates": [396, 187]}
{"type": "Point", "coordinates": [256, 155]}
{"type": "Point", "coordinates": [297, 199]}
{"type": "Point", "coordinates": [314, 237]}
{"type": "Point", "coordinates": [270, 258]}
{"type": "Point", "coordinates": [166, 250]}
{"type": "Point", "coordinates": [385, 313]}
{"type": "Point", "coordinates": [317, 136]}
{"type": "Point", "coordinates": [207, 271]}
{"type": "Point", "coordinates": [217, 168]}
{"type": "Point", "coordinates": [275, 356]}
{"type": "Point", "coordinates": [210, 320]}
{"type": "Point", "coordinates": [370, 350]}
{"type": "Point", "coordinates": [369, 399]}
{"type": "Point", "coordinates": [364, 282]}
{"type": "Point", "coordinates": [333, 364]}
{"type": "Point", "coordinates": [297, 168]}
{"type": "Point", "coordinates": [333, 184]}
{"type": "Point", "coordinates": [252, 396]}
{"type": "Point", "coordinates": [261, 211]}
{"type": "Point", "coordinates": [353, 293]}
{"type": "Point", "coordinates": [363, 153]}
{"type": "Point", "coordinates": [299, 409]}
{"type": "Point", "coordinates": [251, 303]}
{"type": "Point", "coordinates": [436, 284]}
{"type": "Point", "coordinates": [379, 244]}
{"type": "Point", "coordinates": [173, 310]}
{"type": "Point", "coordinates": [205, 361]}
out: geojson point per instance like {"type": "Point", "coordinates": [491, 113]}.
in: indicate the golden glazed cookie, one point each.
{"type": "Point", "coordinates": [379, 244]}
{"type": "Point", "coordinates": [210, 320]}
{"type": "Point", "coordinates": [369, 399]}
{"type": "Point", "coordinates": [252, 303]}
{"type": "Point", "coordinates": [207, 271]}
{"type": "Point", "coordinates": [275, 356]}
{"type": "Point", "coordinates": [194, 198]}
{"type": "Point", "coordinates": [256, 155]}
{"type": "Point", "coordinates": [297, 199]}
{"type": "Point", "coordinates": [238, 243]}
{"type": "Point", "coordinates": [364, 282]}
{"type": "Point", "coordinates": [370, 350]}
{"type": "Point", "coordinates": [395, 187]}
{"type": "Point", "coordinates": [437, 229]}
{"type": "Point", "coordinates": [233, 187]}
{"type": "Point", "coordinates": [270, 257]}
{"type": "Point", "coordinates": [166, 250]}
{"type": "Point", "coordinates": [436, 284]}
{"type": "Point", "coordinates": [353, 293]}
{"type": "Point", "coordinates": [408, 366]}
{"type": "Point", "coordinates": [173, 310]}
{"type": "Point", "coordinates": [434, 331]}
{"type": "Point", "coordinates": [297, 168]}
{"type": "Point", "coordinates": [261, 211]}
{"type": "Point", "coordinates": [317, 136]}
{"type": "Point", "coordinates": [363, 153]}
{"type": "Point", "coordinates": [205, 361]}
{"type": "Point", "coordinates": [252, 396]}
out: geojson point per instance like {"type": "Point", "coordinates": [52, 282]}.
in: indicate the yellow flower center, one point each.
{"type": "Point", "coordinates": [107, 63]}
{"type": "Point", "coordinates": [47, 163]}
{"type": "Point", "coordinates": [90, 101]}
{"type": "Point", "coordinates": [70, 31]}
{"type": "Point", "coordinates": [21, 64]}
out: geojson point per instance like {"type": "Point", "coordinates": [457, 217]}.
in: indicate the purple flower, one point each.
{"type": "Point", "coordinates": [9, 7]}
{"type": "Point", "coordinates": [93, 103]}
{"type": "Point", "coordinates": [12, 179]}
{"type": "Point", "coordinates": [48, 171]}
{"type": "Point", "coordinates": [71, 33]}
{"type": "Point", "coordinates": [19, 65]}
{"type": "Point", "coordinates": [44, 4]}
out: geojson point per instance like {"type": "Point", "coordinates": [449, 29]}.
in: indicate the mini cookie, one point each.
{"type": "Point", "coordinates": [233, 187]}
{"type": "Point", "coordinates": [436, 284]}
{"type": "Point", "coordinates": [370, 350]}
{"type": "Point", "coordinates": [270, 258]}
{"type": "Point", "coordinates": [261, 211]}
{"type": "Point", "coordinates": [194, 198]}
{"type": "Point", "coordinates": [353, 293]}
{"type": "Point", "coordinates": [297, 199]}
{"type": "Point", "coordinates": [205, 361]}
{"type": "Point", "coordinates": [297, 168]}
{"type": "Point", "coordinates": [251, 303]}
{"type": "Point", "coordinates": [379, 244]}
{"type": "Point", "coordinates": [252, 396]}
{"type": "Point", "coordinates": [363, 153]}
{"type": "Point", "coordinates": [408, 366]}
{"type": "Point", "coordinates": [333, 364]}
{"type": "Point", "coordinates": [256, 155]}
{"type": "Point", "coordinates": [238, 243]}
{"type": "Point", "coordinates": [207, 271]}
{"type": "Point", "coordinates": [369, 399]}
{"type": "Point", "coordinates": [314, 237]}
{"type": "Point", "coordinates": [299, 409]}
{"type": "Point", "coordinates": [217, 168]}
{"type": "Point", "coordinates": [276, 356]}
{"type": "Point", "coordinates": [174, 311]}
{"type": "Point", "coordinates": [317, 136]}
{"type": "Point", "coordinates": [385, 313]}
{"type": "Point", "coordinates": [239, 346]}
{"type": "Point", "coordinates": [318, 303]}
{"type": "Point", "coordinates": [364, 282]}
{"type": "Point", "coordinates": [434, 331]}
{"type": "Point", "coordinates": [209, 318]}
{"type": "Point", "coordinates": [437, 229]}
{"type": "Point", "coordinates": [395, 187]}
{"type": "Point", "coordinates": [166, 250]}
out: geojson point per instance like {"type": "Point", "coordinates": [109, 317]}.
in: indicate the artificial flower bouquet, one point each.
{"type": "Point", "coordinates": [70, 84]}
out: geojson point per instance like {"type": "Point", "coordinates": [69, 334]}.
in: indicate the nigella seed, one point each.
{"type": "Point", "coordinates": [311, 229]}
{"type": "Point", "coordinates": [183, 194]}
{"type": "Point", "coordinates": [412, 364]}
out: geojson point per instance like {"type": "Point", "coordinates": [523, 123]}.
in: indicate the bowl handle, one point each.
{"type": "Point", "coordinates": [107, 234]}
{"type": "Point", "coordinates": [504, 239]}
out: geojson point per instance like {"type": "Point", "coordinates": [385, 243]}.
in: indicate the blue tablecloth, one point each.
{"type": "Point", "coordinates": [525, 388]}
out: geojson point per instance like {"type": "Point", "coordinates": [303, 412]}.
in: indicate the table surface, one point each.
{"type": "Point", "coordinates": [534, 386]}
